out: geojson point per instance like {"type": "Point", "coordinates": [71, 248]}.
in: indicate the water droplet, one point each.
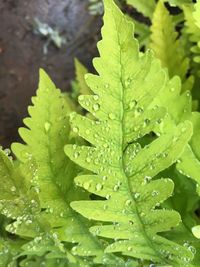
{"type": "Point", "coordinates": [159, 121]}
{"type": "Point", "coordinates": [188, 94]}
{"type": "Point", "coordinates": [108, 196]}
{"type": "Point", "coordinates": [74, 146]}
{"type": "Point", "coordinates": [146, 122]}
{"type": "Point", "coordinates": [87, 131]}
{"type": "Point", "coordinates": [88, 159]}
{"type": "Point", "coordinates": [7, 151]}
{"type": "Point", "coordinates": [129, 248]}
{"type": "Point", "coordinates": [132, 104]}
{"type": "Point", "coordinates": [107, 85]}
{"type": "Point", "coordinates": [99, 187]}
{"type": "Point", "coordinates": [111, 116]}
{"type": "Point", "coordinates": [128, 202]}
{"type": "Point", "coordinates": [96, 97]}
{"type": "Point", "coordinates": [96, 107]}
{"type": "Point", "coordinates": [136, 195]}
{"type": "Point", "coordinates": [13, 189]}
{"type": "Point", "coordinates": [81, 98]}
{"type": "Point", "coordinates": [116, 187]}
{"type": "Point", "coordinates": [47, 126]}
{"type": "Point", "coordinates": [154, 193]}
{"type": "Point", "coordinates": [148, 178]}
{"type": "Point", "coordinates": [51, 210]}
{"type": "Point", "coordinates": [75, 129]}
{"type": "Point", "coordinates": [192, 249]}
{"type": "Point", "coordinates": [140, 110]}
{"type": "Point", "coordinates": [104, 178]}
{"type": "Point", "coordinates": [76, 155]}
{"type": "Point", "coordinates": [28, 222]}
{"type": "Point", "coordinates": [196, 231]}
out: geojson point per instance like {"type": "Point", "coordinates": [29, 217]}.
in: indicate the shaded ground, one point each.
{"type": "Point", "coordinates": [21, 52]}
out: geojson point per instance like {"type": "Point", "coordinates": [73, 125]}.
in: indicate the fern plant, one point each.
{"type": "Point", "coordinates": [106, 183]}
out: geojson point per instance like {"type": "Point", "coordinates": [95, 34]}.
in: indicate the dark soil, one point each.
{"type": "Point", "coordinates": [21, 53]}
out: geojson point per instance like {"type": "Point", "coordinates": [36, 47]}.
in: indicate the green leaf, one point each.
{"type": "Point", "coordinates": [46, 134]}
{"type": "Point", "coordinates": [130, 81]}
{"type": "Point", "coordinates": [193, 32]}
{"type": "Point", "coordinates": [165, 43]}
{"type": "Point", "coordinates": [196, 13]}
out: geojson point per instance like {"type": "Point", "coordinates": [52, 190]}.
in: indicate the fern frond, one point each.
{"type": "Point", "coordinates": [196, 13]}
{"type": "Point", "coordinates": [165, 43]}
{"type": "Point", "coordinates": [193, 31]}
{"type": "Point", "coordinates": [129, 82]}
{"type": "Point", "coordinates": [46, 134]}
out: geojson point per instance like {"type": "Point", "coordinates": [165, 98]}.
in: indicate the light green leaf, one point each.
{"type": "Point", "coordinates": [165, 43]}
{"type": "Point", "coordinates": [45, 136]}
{"type": "Point", "coordinates": [130, 81]}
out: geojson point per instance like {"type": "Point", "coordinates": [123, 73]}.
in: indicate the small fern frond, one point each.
{"type": "Point", "coordinates": [193, 31]}
{"type": "Point", "coordinates": [165, 43]}
{"type": "Point", "coordinates": [46, 134]}
{"type": "Point", "coordinates": [130, 81]}
{"type": "Point", "coordinates": [196, 13]}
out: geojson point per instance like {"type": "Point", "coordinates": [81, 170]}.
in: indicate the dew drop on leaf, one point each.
{"type": "Point", "coordinates": [96, 107]}
{"type": "Point", "coordinates": [75, 129]}
{"type": "Point", "coordinates": [87, 131]}
{"type": "Point", "coordinates": [81, 98]}
{"type": "Point", "coordinates": [76, 155]}
{"type": "Point", "coordinates": [47, 126]}
{"type": "Point", "coordinates": [111, 116]}
{"type": "Point", "coordinates": [136, 195]}
{"type": "Point", "coordinates": [13, 189]}
{"type": "Point", "coordinates": [88, 160]}
{"type": "Point", "coordinates": [132, 104]}
{"type": "Point", "coordinates": [104, 178]}
{"type": "Point", "coordinates": [116, 188]}
{"type": "Point", "coordinates": [154, 193]}
{"type": "Point", "coordinates": [128, 202]}
{"type": "Point", "coordinates": [108, 196]}
{"type": "Point", "coordinates": [99, 187]}
{"type": "Point", "coordinates": [196, 231]}
{"type": "Point", "coordinates": [96, 97]}
{"type": "Point", "coordinates": [7, 151]}
{"type": "Point", "coordinates": [129, 248]}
